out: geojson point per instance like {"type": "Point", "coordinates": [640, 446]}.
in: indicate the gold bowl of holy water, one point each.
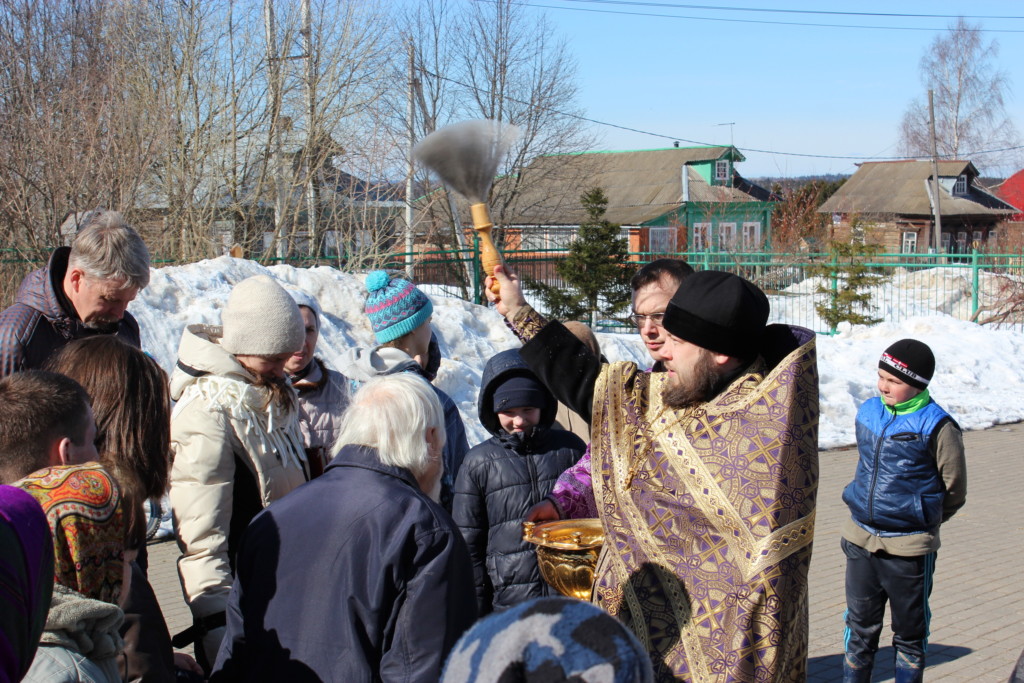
{"type": "Point", "coordinates": [567, 553]}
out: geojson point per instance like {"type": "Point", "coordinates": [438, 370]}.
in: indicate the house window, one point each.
{"type": "Point", "coordinates": [722, 170]}
{"type": "Point", "coordinates": [661, 240]}
{"type": "Point", "coordinates": [701, 237]}
{"type": "Point", "coordinates": [537, 239]}
{"type": "Point", "coordinates": [909, 243]}
{"type": "Point", "coordinates": [751, 236]}
{"type": "Point", "coordinates": [726, 236]}
{"type": "Point", "coordinates": [993, 238]}
{"type": "Point", "coordinates": [977, 236]}
{"type": "Point", "coordinates": [946, 240]}
{"type": "Point", "coordinates": [960, 186]}
{"type": "Point", "coordinates": [332, 244]}
{"type": "Point", "coordinates": [961, 241]}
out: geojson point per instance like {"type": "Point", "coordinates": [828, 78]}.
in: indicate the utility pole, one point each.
{"type": "Point", "coordinates": [936, 210]}
{"type": "Point", "coordinates": [410, 112]}
{"type": "Point", "coordinates": [274, 93]}
{"type": "Point", "coordinates": [313, 141]}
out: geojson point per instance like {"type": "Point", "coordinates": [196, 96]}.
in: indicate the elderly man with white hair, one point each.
{"type": "Point", "coordinates": [84, 290]}
{"type": "Point", "coordinates": [358, 575]}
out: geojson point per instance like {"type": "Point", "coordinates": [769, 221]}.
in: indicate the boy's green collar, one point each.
{"type": "Point", "coordinates": [910, 405]}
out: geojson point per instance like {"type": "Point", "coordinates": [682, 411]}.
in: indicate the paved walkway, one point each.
{"type": "Point", "coordinates": [977, 606]}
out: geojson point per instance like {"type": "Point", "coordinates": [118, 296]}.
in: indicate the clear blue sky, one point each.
{"type": "Point", "coordinates": [789, 88]}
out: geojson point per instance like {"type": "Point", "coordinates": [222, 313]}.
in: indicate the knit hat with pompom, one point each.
{"type": "Point", "coordinates": [394, 306]}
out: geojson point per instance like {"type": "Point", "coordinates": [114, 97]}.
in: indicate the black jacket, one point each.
{"type": "Point", "coordinates": [354, 576]}
{"type": "Point", "coordinates": [500, 480]}
{"type": "Point", "coordinates": [42, 321]}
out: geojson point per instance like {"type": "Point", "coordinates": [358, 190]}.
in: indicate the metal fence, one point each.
{"type": "Point", "coordinates": [979, 286]}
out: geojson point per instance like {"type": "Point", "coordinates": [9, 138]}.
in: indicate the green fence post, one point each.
{"type": "Point", "coordinates": [835, 286]}
{"type": "Point", "coordinates": [974, 282]}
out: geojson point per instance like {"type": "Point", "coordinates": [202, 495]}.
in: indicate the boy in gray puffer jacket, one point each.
{"type": "Point", "coordinates": [504, 476]}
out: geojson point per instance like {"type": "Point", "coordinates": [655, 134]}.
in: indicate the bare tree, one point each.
{"type": "Point", "coordinates": [970, 111]}
{"type": "Point", "coordinates": [81, 122]}
{"type": "Point", "coordinates": [502, 61]}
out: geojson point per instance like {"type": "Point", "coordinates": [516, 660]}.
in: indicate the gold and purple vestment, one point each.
{"type": "Point", "coordinates": [708, 514]}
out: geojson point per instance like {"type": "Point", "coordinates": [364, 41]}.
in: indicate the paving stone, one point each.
{"type": "Point", "coordinates": [978, 607]}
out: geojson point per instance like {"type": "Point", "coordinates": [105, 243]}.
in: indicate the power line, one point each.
{"type": "Point", "coordinates": [676, 138]}
{"type": "Point", "coordinates": [748, 21]}
{"type": "Point", "coordinates": [768, 10]}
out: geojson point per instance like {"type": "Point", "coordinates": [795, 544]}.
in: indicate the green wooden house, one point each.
{"type": "Point", "coordinates": [667, 200]}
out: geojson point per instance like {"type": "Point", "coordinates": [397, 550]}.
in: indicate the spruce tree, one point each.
{"type": "Point", "coordinates": [846, 280]}
{"type": "Point", "coordinates": [596, 272]}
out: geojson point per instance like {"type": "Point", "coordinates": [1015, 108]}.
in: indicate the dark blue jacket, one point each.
{"type": "Point", "coordinates": [354, 576]}
{"type": "Point", "coordinates": [897, 487]}
{"type": "Point", "coordinates": [500, 480]}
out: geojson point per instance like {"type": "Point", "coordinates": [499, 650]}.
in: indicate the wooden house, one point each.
{"type": "Point", "coordinates": [665, 200]}
{"type": "Point", "coordinates": [890, 203]}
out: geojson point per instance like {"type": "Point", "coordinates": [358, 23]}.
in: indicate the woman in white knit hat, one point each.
{"type": "Point", "coordinates": [236, 442]}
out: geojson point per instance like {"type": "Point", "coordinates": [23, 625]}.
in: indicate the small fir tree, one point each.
{"type": "Point", "coordinates": [596, 272]}
{"type": "Point", "coordinates": [847, 279]}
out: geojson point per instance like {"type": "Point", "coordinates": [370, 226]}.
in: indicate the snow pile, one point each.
{"type": "Point", "coordinates": [979, 376]}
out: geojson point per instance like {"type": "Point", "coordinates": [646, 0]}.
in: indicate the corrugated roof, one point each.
{"type": "Point", "coordinates": [901, 188]}
{"type": "Point", "coordinates": [640, 185]}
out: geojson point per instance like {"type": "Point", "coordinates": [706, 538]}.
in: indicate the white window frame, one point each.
{"type": "Point", "coordinates": [977, 237]}
{"type": "Point", "coordinates": [722, 169]}
{"type": "Point", "coordinates": [701, 237]}
{"type": "Point", "coordinates": [545, 238]}
{"type": "Point", "coordinates": [993, 237]}
{"type": "Point", "coordinates": [726, 236]}
{"type": "Point", "coordinates": [751, 235]}
{"type": "Point", "coordinates": [960, 185]}
{"type": "Point", "coordinates": [908, 243]}
{"type": "Point", "coordinates": [664, 236]}
{"type": "Point", "coordinates": [947, 241]}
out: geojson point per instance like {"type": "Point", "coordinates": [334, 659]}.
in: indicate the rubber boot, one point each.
{"type": "Point", "coordinates": [909, 668]}
{"type": "Point", "coordinates": [856, 670]}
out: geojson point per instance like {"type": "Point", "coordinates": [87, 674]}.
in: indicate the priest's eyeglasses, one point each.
{"type": "Point", "coordinates": [655, 318]}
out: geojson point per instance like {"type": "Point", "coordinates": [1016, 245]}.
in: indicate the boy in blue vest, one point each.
{"type": "Point", "coordinates": [911, 477]}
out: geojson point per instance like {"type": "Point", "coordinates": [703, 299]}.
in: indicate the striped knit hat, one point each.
{"type": "Point", "coordinates": [395, 306]}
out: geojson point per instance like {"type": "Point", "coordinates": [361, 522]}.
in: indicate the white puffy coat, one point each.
{"type": "Point", "coordinates": [221, 421]}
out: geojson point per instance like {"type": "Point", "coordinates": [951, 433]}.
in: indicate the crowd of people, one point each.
{"type": "Point", "coordinates": [334, 523]}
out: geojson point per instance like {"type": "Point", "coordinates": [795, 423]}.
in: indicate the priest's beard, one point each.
{"type": "Point", "coordinates": [697, 386]}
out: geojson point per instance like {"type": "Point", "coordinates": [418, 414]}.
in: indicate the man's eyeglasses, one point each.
{"type": "Point", "coordinates": [655, 318]}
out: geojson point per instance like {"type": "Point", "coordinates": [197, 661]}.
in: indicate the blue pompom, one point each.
{"type": "Point", "coordinates": [376, 280]}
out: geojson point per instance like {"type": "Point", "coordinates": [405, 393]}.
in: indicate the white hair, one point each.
{"type": "Point", "coordinates": [107, 248]}
{"type": "Point", "coordinates": [392, 414]}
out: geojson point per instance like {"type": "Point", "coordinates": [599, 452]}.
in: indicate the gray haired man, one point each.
{"type": "Point", "coordinates": [85, 289]}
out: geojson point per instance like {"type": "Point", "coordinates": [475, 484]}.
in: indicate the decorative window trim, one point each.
{"type": "Point", "coordinates": [722, 169]}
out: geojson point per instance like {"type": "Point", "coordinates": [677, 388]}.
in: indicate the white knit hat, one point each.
{"type": "Point", "coordinates": [261, 319]}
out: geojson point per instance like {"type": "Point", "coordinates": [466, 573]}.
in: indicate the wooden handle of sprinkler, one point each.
{"type": "Point", "coordinates": [489, 254]}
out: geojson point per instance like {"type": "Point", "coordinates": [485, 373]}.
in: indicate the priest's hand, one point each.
{"type": "Point", "coordinates": [510, 297]}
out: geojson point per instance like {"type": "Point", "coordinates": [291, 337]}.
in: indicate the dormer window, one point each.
{"type": "Point", "coordinates": [722, 170]}
{"type": "Point", "coordinates": [960, 186]}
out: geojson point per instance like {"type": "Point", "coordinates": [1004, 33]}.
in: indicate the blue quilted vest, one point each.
{"type": "Point", "coordinates": [897, 487]}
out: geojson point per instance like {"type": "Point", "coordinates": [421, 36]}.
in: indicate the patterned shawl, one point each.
{"type": "Point", "coordinates": [26, 580]}
{"type": "Point", "coordinates": [83, 507]}
{"type": "Point", "coordinates": [708, 514]}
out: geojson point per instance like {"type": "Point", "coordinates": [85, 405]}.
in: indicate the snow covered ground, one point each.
{"type": "Point", "coordinates": [979, 376]}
